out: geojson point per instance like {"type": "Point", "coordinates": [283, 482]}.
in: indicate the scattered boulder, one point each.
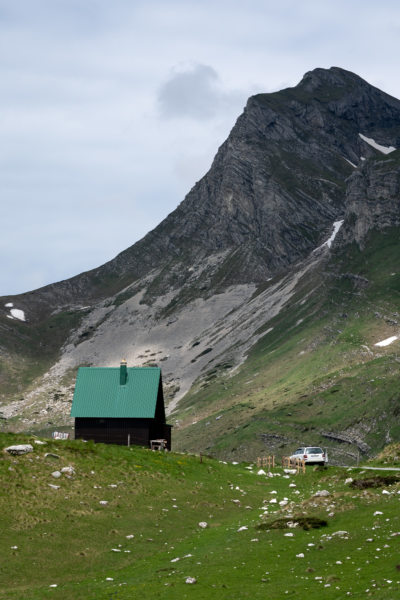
{"type": "Point", "coordinates": [191, 580]}
{"type": "Point", "coordinates": [68, 470]}
{"type": "Point", "coordinates": [51, 455]}
{"type": "Point", "coordinates": [322, 493]}
{"type": "Point", "coordinates": [203, 525]}
{"type": "Point", "coordinates": [19, 449]}
{"type": "Point", "coordinates": [56, 474]}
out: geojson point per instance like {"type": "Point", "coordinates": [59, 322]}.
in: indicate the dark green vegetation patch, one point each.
{"type": "Point", "coordinates": [292, 522]}
{"type": "Point", "coordinates": [375, 482]}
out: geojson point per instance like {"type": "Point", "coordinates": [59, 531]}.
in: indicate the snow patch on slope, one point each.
{"type": "Point", "coordinates": [336, 226]}
{"type": "Point", "coordinates": [18, 314]}
{"type": "Point", "coordinates": [350, 163]}
{"type": "Point", "coordinates": [374, 144]}
{"type": "Point", "coordinates": [387, 342]}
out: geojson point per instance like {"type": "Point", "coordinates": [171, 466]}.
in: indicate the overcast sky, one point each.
{"type": "Point", "coordinates": [111, 110]}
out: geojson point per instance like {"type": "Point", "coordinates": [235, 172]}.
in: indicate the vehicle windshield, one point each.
{"type": "Point", "coordinates": [315, 451]}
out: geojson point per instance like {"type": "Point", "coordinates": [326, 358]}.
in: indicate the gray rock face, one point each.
{"type": "Point", "coordinates": [373, 198]}
{"type": "Point", "coordinates": [273, 190]}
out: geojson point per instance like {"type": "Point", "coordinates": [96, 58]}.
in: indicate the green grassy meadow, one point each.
{"type": "Point", "coordinates": [146, 540]}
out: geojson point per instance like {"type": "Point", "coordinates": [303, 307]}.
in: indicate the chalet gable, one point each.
{"type": "Point", "coordinates": [118, 392]}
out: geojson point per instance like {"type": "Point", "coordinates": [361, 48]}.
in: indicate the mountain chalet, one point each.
{"type": "Point", "coordinates": [121, 405]}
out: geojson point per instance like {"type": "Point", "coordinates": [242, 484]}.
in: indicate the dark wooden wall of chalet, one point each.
{"type": "Point", "coordinates": [116, 431]}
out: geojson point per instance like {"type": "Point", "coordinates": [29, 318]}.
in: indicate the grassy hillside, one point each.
{"type": "Point", "coordinates": [125, 525]}
{"type": "Point", "coordinates": [28, 349]}
{"type": "Point", "coordinates": [316, 370]}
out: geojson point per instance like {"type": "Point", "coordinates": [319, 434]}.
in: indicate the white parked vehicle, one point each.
{"type": "Point", "coordinates": [311, 455]}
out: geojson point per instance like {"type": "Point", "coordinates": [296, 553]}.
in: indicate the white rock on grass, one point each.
{"type": "Point", "coordinates": [322, 493]}
{"type": "Point", "coordinates": [103, 502]}
{"type": "Point", "coordinates": [348, 480]}
{"type": "Point", "coordinates": [261, 472]}
{"type": "Point", "coordinates": [56, 474]}
{"type": "Point", "coordinates": [19, 449]}
{"type": "Point", "coordinates": [340, 533]}
{"type": "Point", "coordinates": [203, 524]}
{"type": "Point", "coordinates": [68, 470]}
{"type": "Point", "coordinates": [301, 555]}
{"type": "Point", "coordinates": [54, 487]}
{"type": "Point", "coordinates": [243, 528]}
{"type": "Point", "coordinates": [190, 580]}
{"type": "Point", "coordinates": [39, 443]}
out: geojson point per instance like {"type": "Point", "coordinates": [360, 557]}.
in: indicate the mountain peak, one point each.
{"type": "Point", "coordinates": [333, 76]}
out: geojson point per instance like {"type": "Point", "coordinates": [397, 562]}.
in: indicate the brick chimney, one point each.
{"type": "Point", "coordinates": [123, 372]}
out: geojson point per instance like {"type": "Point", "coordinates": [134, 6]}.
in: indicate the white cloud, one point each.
{"type": "Point", "coordinates": [195, 91]}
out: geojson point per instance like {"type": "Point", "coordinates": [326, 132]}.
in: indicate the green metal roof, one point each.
{"type": "Point", "coordinates": [98, 392]}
